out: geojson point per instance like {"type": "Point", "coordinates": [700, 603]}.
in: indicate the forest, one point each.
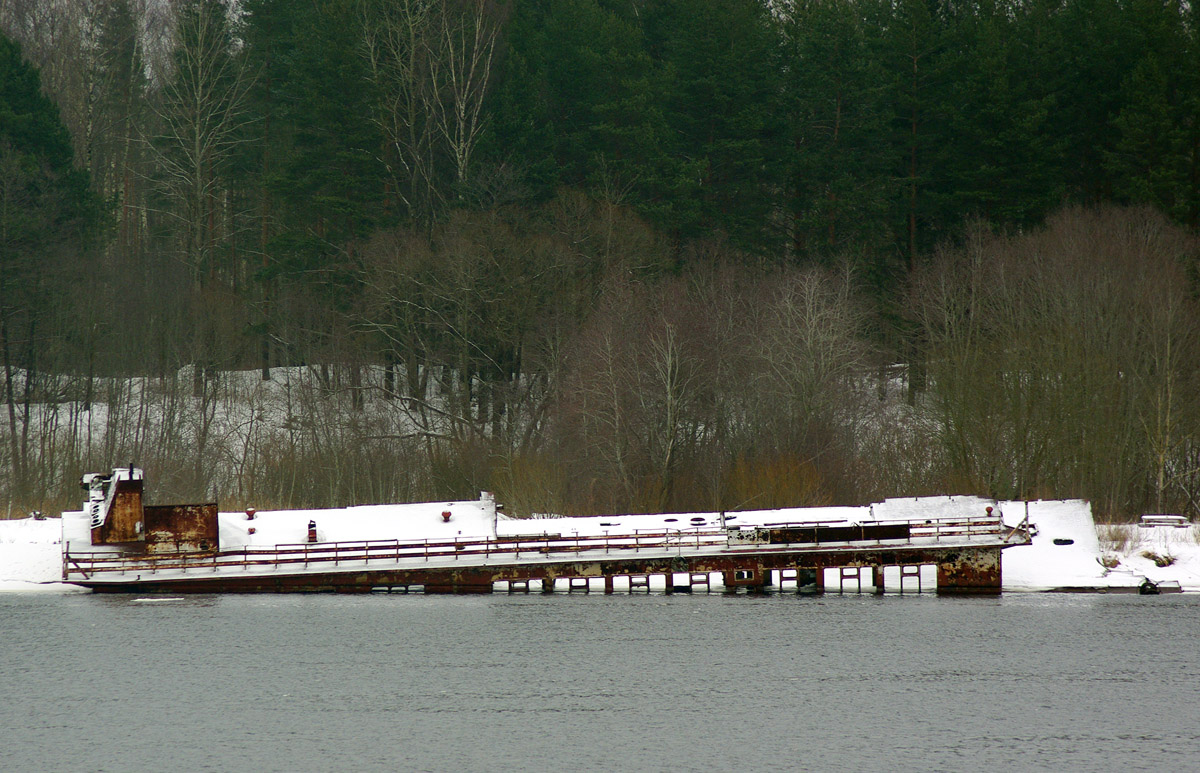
{"type": "Point", "coordinates": [601, 255]}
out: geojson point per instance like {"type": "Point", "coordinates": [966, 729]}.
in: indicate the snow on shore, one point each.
{"type": "Point", "coordinates": [31, 555]}
{"type": "Point", "coordinates": [1066, 553]}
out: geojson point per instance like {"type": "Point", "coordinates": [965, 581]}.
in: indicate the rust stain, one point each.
{"type": "Point", "coordinates": [124, 523]}
{"type": "Point", "coordinates": [970, 571]}
{"type": "Point", "coordinates": [181, 528]}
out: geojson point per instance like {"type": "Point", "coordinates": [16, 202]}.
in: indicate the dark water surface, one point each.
{"type": "Point", "coordinates": [578, 683]}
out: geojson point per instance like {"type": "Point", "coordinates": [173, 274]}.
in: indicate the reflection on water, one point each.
{"type": "Point", "coordinates": [704, 682]}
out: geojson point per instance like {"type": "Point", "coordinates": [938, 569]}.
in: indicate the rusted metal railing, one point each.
{"type": "Point", "coordinates": [513, 548]}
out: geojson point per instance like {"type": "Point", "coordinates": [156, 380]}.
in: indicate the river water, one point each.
{"type": "Point", "coordinates": [670, 683]}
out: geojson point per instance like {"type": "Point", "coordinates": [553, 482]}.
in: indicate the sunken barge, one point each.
{"type": "Point", "coordinates": [119, 544]}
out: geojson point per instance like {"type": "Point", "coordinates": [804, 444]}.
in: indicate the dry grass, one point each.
{"type": "Point", "coordinates": [1118, 538]}
{"type": "Point", "coordinates": [1159, 559]}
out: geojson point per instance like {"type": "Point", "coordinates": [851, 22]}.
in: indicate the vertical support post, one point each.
{"type": "Point", "coordinates": [877, 578]}
{"type": "Point", "coordinates": [608, 584]}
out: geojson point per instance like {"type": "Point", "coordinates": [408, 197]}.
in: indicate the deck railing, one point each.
{"type": "Point", "coordinates": [512, 549]}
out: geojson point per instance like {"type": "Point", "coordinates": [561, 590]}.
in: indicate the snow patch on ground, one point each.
{"type": "Point", "coordinates": [31, 556]}
{"type": "Point", "coordinates": [1135, 547]}
{"type": "Point", "coordinates": [1068, 554]}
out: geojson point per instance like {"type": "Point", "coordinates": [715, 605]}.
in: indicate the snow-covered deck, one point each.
{"type": "Point", "coordinates": [457, 536]}
{"type": "Point", "coordinates": [1065, 553]}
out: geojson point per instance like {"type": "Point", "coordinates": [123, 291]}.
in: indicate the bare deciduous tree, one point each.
{"type": "Point", "coordinates": [202, 111]}
{"type": "Point", "coordinates": [1056, 360]}
{"type": "Point", "coordinates": [431, 63]}
{"type": "Point", "coordinates": [201, 114]}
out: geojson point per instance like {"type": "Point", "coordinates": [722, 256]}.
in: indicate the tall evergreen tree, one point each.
{"type": "Point", "coordinates": [912, 48]}
{"type": "Point", "coordinates": [268, 48]}
{"type": "Point", "coordinates": [1097, 51]}
{"type": "Point", "coordinates": [332, 182]}
{"type": "Point", "coordinates": [322, 183]}
{"type": "Point", "coordinates": [118, 167]}
{"type": "Point", "coordinates": [579, 104]}
{"type": "Point", "coordinates": [1149, 158]}
{"type": "Point", "coordinates": [722, 102]}
{"type": "Point", "coordinates": [47, 217]}
{"type": "Point", "coordinates": [1004, 156]}
{"type": "Point", "coordinates": [839, 180]}
{"type": "Point", "coordinates": [1189, 118]}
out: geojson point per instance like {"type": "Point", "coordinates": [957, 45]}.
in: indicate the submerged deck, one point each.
{"type": "Point", "coordinates": [964, 549]}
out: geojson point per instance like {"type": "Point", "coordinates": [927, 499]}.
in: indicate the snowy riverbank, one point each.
{"type": "Point", "coordinates": [31, 556]}
{"type": "Point", "coordinates": [1067, 552]}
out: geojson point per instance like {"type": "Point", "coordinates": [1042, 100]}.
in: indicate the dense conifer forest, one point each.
{"type": "Point", "coordinates": [601, 255]}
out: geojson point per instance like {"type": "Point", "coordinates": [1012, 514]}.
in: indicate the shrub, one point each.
{"type": "Point", "coordinates": [1163, 559]}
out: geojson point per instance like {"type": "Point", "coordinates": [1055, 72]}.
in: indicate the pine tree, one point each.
{"type": "Point", "coordinates": [1097, 52]}
{"type": "Point", "coordinates": [579, 104]}
{"type": "Point", "coordinates": [47, 217]}
{"type": "Point", "coordinates": [912, 49]}
{"type": "Point", "coordinates": [1149, 154]}
{"type": "Point", "coordinates": [269, 45]}
{"type": "Point", "coordinates": [1004, 156]}
{"type": "Point", "coordinates": [332, 182]}
{"type": "Point", "coordinates": [321, 184]}
{"type": "Point", "coordinates": [722, 91]}
{"type": "Point", "coordinates": [1147, 161]}
{"type": "Point", "coordinates": [838, 179]}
